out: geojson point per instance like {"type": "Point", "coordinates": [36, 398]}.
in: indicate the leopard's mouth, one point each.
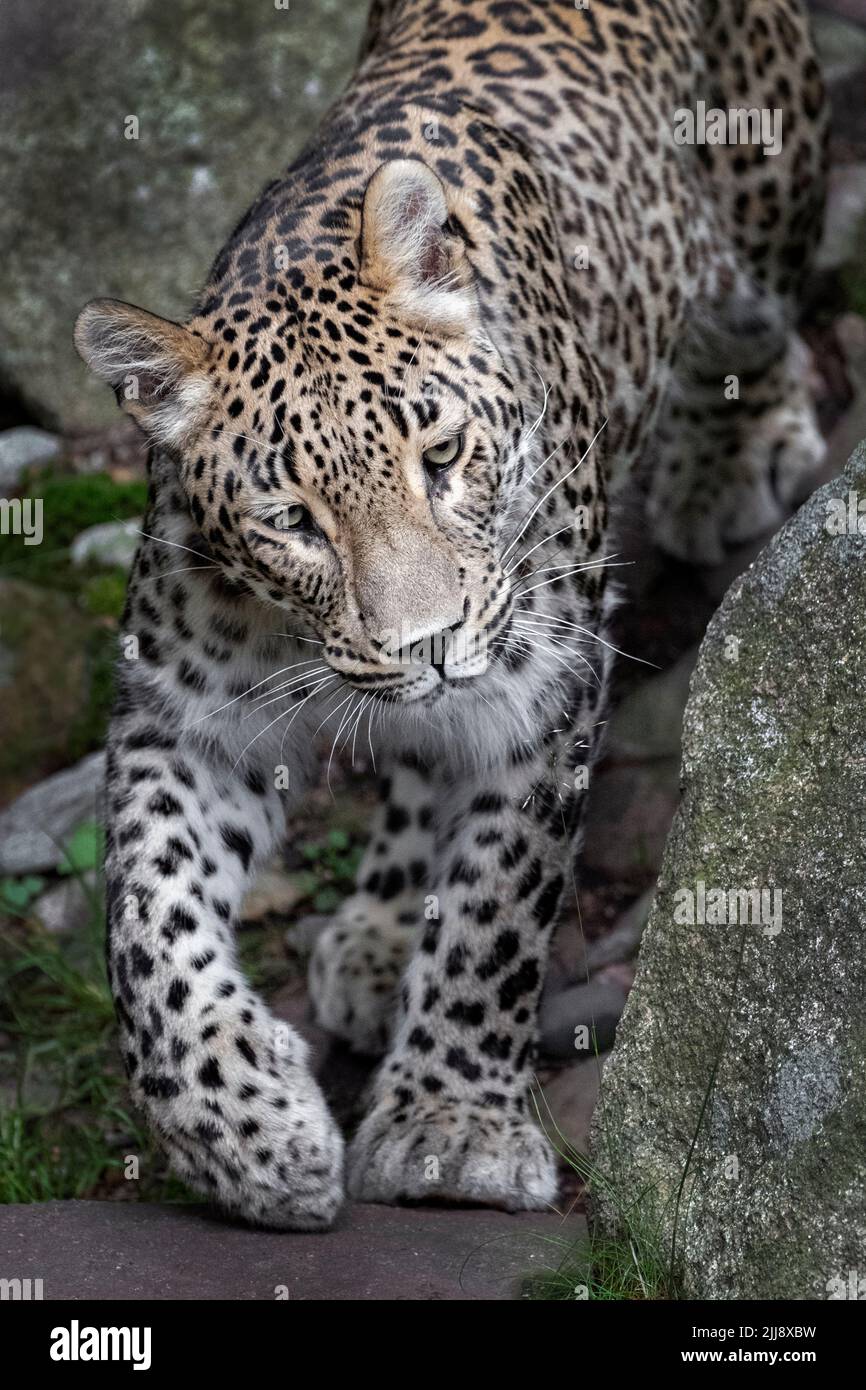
{"type": "Point", "coordinates": [428, 686]}
{"type": "Point", "coordinates": [461, 663]}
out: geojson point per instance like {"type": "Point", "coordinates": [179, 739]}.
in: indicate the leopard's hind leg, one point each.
{"type": "Point", "coordinates": [360, 956]}
{"type": "Point", "coordinates": [737, 447]}
{"type": "Point", "coordinates": [737, 443]}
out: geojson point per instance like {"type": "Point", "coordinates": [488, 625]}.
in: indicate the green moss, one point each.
{"type": "Point", "coordinates": [208, 142]}
{"type": "Point", "coordinates": [735, 1045]}
{"type": "Point", "coordinates": [103, 594]}
{"type": "Point", "coordinates": [70, 503]}
{"type": "Point", "coordinates": [74, 501]}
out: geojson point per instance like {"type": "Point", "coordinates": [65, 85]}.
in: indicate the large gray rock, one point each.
{"type": "Point", "coordinates": [224, 94]}
{"type": "Point", "coordinates": [734, 1103]}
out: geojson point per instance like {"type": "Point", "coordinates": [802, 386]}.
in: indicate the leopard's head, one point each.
{"type": "Point", "coordinates": [347, 436]}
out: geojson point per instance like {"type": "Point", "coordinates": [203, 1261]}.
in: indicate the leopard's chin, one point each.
{"type": "Point", "coordinates": [433, 696]}
{"type": "Point", "coordinates": [430, 688]}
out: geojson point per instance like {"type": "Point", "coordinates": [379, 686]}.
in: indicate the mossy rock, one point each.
{"type": "Point", "coordinates": [56, 679]}
{"type": "Point", "coordinates": [732, 1121]}
{"type": "Point", "coordinates": [224, 94]}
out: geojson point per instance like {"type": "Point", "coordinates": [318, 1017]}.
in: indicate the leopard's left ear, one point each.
{"type": "Point", "coordinates": [157, 369]}
{"type": "Point", "coordinates": [408, 251]}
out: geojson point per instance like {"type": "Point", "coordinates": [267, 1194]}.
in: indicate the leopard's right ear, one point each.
{"type": "Point", "coordinates": [157, 368]}
{"type": "Point", "coordinates": [409, 252]}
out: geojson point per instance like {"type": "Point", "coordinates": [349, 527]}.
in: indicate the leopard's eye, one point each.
{"type": "Point", "coordinates": [294, 518]}
{"type": "Point", "coordinates": [444, 454]}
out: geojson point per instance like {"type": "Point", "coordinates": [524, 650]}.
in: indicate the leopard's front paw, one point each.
{"type": "Point", "coordinates": [354, 980]}
{"type": "Point", "coordinates": [451, 1151]}
{"type": "Point", "coordinates": [250, 1129]}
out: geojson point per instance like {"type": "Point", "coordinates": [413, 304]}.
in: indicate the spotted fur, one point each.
{"type": "Point", "coordinates": [416, 283]}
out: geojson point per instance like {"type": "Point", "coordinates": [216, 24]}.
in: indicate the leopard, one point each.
{"type": "Point", "coordinates": [390, 438]}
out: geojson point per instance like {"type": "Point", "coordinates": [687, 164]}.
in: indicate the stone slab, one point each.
{"type": "Point", "coordinates": [130, 1251]}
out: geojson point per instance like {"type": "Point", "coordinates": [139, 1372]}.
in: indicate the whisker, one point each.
{"type": "Point", "coordinates": [412, 359]}
{"type": "Point", "coordinates": [332, 711]}
{"type": "Point", "coordinates": [536, 424]}
{"type": "Point", "coordinates": [257, 736]}
{"type": "Point", "coordinates": [527, 439]}
{"type": "Point", "coordinates": [552, 556]}
{"type": "Point", "coordinates": [546, 539]}
{"type": "Point", "coordinates": [569, 571]}
{"type": "Point", "coordinates": [271, 696]}
{"type": "Point", "coordinates": [370, 717]}
{"type": "Point", "coordinates": [187, 569]}
{"type": "Point", "coordinates": [563, 643]}
{"type": "Point", "coordinates": [485, 700]}
{"type": "Point", "coordinates": [519, 589]}
{"type": "Point", "coordinates": [606, 563]}
{"type": "Point", "coordinates": [244, 693]}
{"type": "Point", "coordinates": [533, 643]}
{"type": "Point", "coordinates": [552, 489]}
{"type": "Point", "coordinates": [294, 710]}
{"type": "Point", "coordinates": [543, 583]}
{"type": "Point", "coordinates": [595, 638]}
{"type": "Point", "coordinates": [261, 443]}
{"type": "Point", "coordinates": [336, 737]}
{"type": "Point", "coordinates": [295, 665]}
{"type": "Point", "coordinates": [322, 685]}
{"type": "Point", "coordinates": [351, 723]}
{"type": "Point", "coordinates": [535, 472]}
{"type": "Point", "coordinates": [176, 544]}
{"type": "Point", "coordinates": [364, 703]}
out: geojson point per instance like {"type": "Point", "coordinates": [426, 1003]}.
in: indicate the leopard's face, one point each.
{"type": "Point", "coordinates": [349, 440]}
{"type": "Point", "coordinates": [356, 471]}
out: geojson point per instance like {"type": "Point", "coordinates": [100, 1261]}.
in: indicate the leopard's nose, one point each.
{"type": "Point", "coordinates": [429, 648]}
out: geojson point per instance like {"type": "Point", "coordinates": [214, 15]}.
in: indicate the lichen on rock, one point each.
{"type": "Point", "coordinates": [734, 1102]}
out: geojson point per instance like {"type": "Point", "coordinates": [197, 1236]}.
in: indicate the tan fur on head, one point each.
{"type": "Point", "coordinates": [156, 367]}
{"type": "Point", "coordinates": [407, 253]}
